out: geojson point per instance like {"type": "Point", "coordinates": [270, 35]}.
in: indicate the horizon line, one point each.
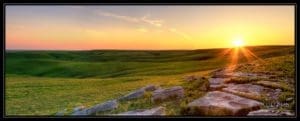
{"type": "Point", "coordinates": [136, 49]}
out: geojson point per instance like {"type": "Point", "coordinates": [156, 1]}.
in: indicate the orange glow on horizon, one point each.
{"type": "Point", "coordinates": [234, 54]}
{"type": "Point", "coordinates": [128, 27]}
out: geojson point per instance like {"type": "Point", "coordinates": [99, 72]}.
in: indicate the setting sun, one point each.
{"type": "Point", "coordinates": [238, 43]}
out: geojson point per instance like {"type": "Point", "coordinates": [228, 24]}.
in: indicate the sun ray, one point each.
{"type": "Point", "coordinates": [225, 52]}
{"type": "Point", "coordinates": [246, 51]}
{"type": "Point", "coordinates": [246, 54]}
{"type": "Point", "coordinates": [234, 57]}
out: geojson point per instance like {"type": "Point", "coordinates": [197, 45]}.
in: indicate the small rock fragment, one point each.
{"type": "Point", "coordinates": [150, 88]}
{"type": "Point", "coordinates": [78, 108]}
{"type": "Point", "coordinates": [289, 99]}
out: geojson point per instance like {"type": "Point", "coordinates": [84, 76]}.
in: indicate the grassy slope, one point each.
{"type": "Point", "coordinates": [102, 64]}
{"type": "Point", "coordinates": [283, 64]}
{"type": "Point", "coordinates": [44, 96]}
{"type": "Point", "coordinates": [45, 82]}
{"type": "Point", "coordinates": [283, 67]}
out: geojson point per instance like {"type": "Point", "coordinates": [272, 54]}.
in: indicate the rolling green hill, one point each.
{"type": "Point", "coordinates": [44, 82]}
{"type": "Point", "coordinates": [116, 63]}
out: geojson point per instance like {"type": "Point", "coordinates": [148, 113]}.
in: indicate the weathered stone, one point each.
{"type": "Point", "coordinates": [218, 103]}
{"type": "Point", "coordinates": [150, 88]}
{"type": "Point", "coordinates": [241, 74]}
{"type": "Point", "coordinates": [251, 91]}
{"type": "Point", "coordinates": [216, 87]}
{"type": "Point", "coordinates": [138, 93]}
{"type": "Point", "coordinates": [289, 99]}
{"type": "Point", "coordinates": [222, 75]}
{"type": "Point", "coordinates": [133, 95]}
{"type": "Point", "coordinates": [109, 105]}
{"type": "Point", "coordinates": [268, 74]}
{"type": "Point", "coordinates": [146, 112]}
{"type": "Point", "coordinates": [278, 90]}
{"type": "Point", "coordinates": [217, 83]}
{"type": "Point", "coordinates": [78, 108]}
{"type": "Point", "coordinates": [250, 75]}
{"type": "Point", "coordinates": [286, 105]}
{"type": "Point", "coordinates": [165, 94]}
{"type": "Point", "coordinates": [228, 74]}
{"type": "Point", "coordinates": [270, 112]}
{"type": "Point", "coordinates": [83, 112]}
{"type": "Point", "coordinates": [277, 105]}
{"type": "Point", "coordinates": [269, 84]}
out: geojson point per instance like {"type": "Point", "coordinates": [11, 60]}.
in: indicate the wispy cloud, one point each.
{"type": "Point", "coordinates": [145, 19]}
{"type": "Point", "coordinates": [154, 22]}
{"type": "Point", "coordinates": [126, 18]}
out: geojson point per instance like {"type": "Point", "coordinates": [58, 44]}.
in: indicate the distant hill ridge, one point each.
{"type": "Point", "coordinates": [112, 63]}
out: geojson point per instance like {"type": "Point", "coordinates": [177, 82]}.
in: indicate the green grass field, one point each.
{"type": "Point", "coordinates": [45, 82]}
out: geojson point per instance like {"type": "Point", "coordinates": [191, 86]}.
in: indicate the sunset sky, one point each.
{"type": "Point", "coordinates": [146, 27]}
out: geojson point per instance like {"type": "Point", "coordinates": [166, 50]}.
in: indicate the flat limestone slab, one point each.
{"type": "Point", "coordinates": [160, 95]}
{"type": "Point", "coordinates": [217, 103]}
{"type": "Point", "coordinates": [133, 95]}
{"type": "Point", "coordinates": [252, 91]}
{"type": "Point", "coordinates": [217, 83]}
{"type": "Point", "coordinates": [138, 93]}
{"type": "Point", "coordinates": [270, 112]}
{"type": "Point", "coordinates": [109, 105]}
{"type": "Point", "coordinates": [145, 112]}
{"type": "Point", "coordinates": [216, 87]}
{"type": "Point", "coordinates": [274, 85]}
{"type": "Point", "coordinates": [226, 74]}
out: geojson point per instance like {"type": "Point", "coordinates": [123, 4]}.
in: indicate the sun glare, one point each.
{"type": "Point", "coordinates": [238, 43]}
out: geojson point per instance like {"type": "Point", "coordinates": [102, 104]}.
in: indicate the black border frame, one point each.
{"type": "Point", "coordinates": [114, 2]}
